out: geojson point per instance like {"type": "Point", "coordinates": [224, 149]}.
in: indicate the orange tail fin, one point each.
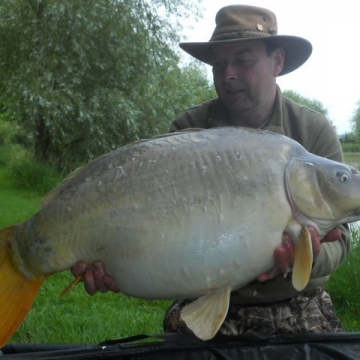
{"type": "Point", "coordinates": [17, 293]}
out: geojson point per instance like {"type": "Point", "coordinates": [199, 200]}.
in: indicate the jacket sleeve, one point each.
{"type": "Point", "coordinates": [198, 117]}
{"type": "Point", "coordinates": [332, 254]}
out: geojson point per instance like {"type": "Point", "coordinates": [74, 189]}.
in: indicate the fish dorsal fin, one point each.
{"type": "Point", "coordinates": [303, 260]}
{"type": "Point", "coordinates": [54, 193]}
{"type": "Point", "coordinates": [205, 315]}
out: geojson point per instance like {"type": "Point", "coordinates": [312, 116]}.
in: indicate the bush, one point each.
{"type": "Point", "coordinates": [350, 147]}
{"type": "Point", "coordinates": [11, 152]}
{"type": "Point", "coordinates": [344, 286]}
{"type": "Point", "coordinates": [29, 174]}
{"type": "Point", "coordinates": [11, 133]}
{"type": "Point", "coordinates": [5, 130]}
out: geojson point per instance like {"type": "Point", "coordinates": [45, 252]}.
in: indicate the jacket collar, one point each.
{"type": "Point", "coordinates": [219, 117]}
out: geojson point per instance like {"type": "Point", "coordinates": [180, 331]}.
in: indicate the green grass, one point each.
{"type": "Point", "coordinates": [344, 286]}
{"type": "Point", "coordinates": [350, 147]}
{"type": "Point", "coordinates": [80, 318]}
{"type": "Point", "coordinates": [16, 204]}
{"type": "Point", "coordinates": [352, 159]}
{"type": "Point", "coordinates": [28, 174]}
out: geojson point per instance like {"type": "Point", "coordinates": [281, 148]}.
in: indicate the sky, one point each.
{"type": "Point", "coordinates": [332, 73]}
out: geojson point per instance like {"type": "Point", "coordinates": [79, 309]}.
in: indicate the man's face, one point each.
{"type": "Point", "coordinates": [245, 75]}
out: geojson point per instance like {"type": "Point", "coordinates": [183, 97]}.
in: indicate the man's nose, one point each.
{"type": "Point", "coordinates": [230, 72]}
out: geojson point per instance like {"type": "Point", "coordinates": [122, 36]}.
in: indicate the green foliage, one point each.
{"type": "Point", "coordinates": [185, 88]}
{"type": "Point", "coordinates": [348, 138]}
{"type": "Point", "coordinates": [351, 141]}
{"type": "Point", "coordinates": [84, 77]}
{"type": "Point", "coordinates": [344, 286]}
{"type": "Point", "coordinates": [355, 122]}
{"type": "Point", "coordinates": [16, 204]}
{"type": "Point", "coordinates": [27, 173]}
{"type": "Point", "coordinates": [310, 103]}
{"type": "Point", "coordinates": [352, 159]}
{"type": "Point", "coordinates": [350, 147]}
{"type": "Point", "coordinates": [5, 131]}
{"type": "Point", "coordinates": [11, 133]}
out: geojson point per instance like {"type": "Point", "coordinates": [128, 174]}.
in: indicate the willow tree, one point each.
{"type": "Point", "coordinates": [83, 77]}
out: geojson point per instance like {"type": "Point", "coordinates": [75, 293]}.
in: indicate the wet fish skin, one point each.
{"type": "Point", "coordinates": [151, 192]}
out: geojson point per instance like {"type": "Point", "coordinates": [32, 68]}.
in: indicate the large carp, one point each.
{"type": "Point", "coordinates": [187, 215]}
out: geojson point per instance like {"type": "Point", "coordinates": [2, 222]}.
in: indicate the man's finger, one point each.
{"type": "Point", "coordinates": [333, 235]}
{"type": "Point", "coordinates": [99, 273]}
{"type": "Point", "coordinates": [89, 280]}
{"type": "Point", "coordinates": [281, 259]}
{"type": "Point", "coordinates": [78, 269]}
{"type": "Point", "coordinates": [289, 248]}
{"type": "Point", "coordinates": [110, 284]}
{"type": "Point", "coordinates": [315, 241]}
{"type": "Point", "coordinates": [268, 275]}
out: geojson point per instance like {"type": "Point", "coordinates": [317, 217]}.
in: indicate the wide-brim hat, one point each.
{"type": "Point", "coordinates": [239, 23]}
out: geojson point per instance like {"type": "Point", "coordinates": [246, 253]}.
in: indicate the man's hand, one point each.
{"type": "Point", "coordinates": [94, 277]}
{"type": "Point", "coordinates": [285, 254]}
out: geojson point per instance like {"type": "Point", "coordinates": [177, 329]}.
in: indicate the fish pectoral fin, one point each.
{"type": "Point", "coordinates": [303, 260]}
{"type": "Point", "coordinates": [205, 315]}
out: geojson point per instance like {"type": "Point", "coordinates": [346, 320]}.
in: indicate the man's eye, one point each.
{"type": "Point", "coordinates": [244, 62]}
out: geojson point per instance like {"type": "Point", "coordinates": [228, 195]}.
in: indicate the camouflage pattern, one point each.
{"type": "Point", "coordinates": [312, 312]}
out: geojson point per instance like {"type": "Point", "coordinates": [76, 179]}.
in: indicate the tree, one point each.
{"type": "Point", "coordinates": [84, 77]}
{"type": "Point", "coordinates": [355, 122]}
{"type": "Point", "coordinates": [310, 103]}
{"type": "Point", "coordinates": [185, 88]}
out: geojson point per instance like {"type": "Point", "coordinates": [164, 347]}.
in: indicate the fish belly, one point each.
{"type": "Point", "coordinates": [186, 254]}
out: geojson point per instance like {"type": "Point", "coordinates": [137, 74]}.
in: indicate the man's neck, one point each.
{"type": "Point", "coordinates": [250, 120]}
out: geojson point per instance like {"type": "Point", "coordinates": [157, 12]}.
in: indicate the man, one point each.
{"type": "Point", "coordinates": [247, 55]}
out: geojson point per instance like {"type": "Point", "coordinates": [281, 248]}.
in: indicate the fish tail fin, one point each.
{"type": "Point", "coordinates": [303, 260]}
{"type": "Point", "coordinates": [17, 292]}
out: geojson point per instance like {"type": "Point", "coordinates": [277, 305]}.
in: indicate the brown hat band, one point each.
{"type": "Point", "coordinates": [238, 35]}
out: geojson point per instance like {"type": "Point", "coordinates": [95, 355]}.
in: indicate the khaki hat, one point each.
{"type": "Point", "coordinates": [239, 23]}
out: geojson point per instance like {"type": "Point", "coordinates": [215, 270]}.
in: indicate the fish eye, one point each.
{"type": "Point", "coordinates": [343, 176]}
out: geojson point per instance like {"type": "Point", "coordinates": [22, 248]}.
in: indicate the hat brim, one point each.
{"type": "Point", "coordinates": [297, 49]}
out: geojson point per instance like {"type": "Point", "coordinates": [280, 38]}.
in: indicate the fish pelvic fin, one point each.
{"type": "Point", "coordinates": [205, 315]}
{"type": "Point", "coordinates": [17, 292]}
{"type": "Point", "coordinates": [303, 260]}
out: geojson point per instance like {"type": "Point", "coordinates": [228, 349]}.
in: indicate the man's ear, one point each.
{"type": "Point", "coordinates": [279, 60]}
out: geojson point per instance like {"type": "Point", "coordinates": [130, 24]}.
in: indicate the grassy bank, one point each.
{"type": "Point", "coordinates": [352, 159]}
